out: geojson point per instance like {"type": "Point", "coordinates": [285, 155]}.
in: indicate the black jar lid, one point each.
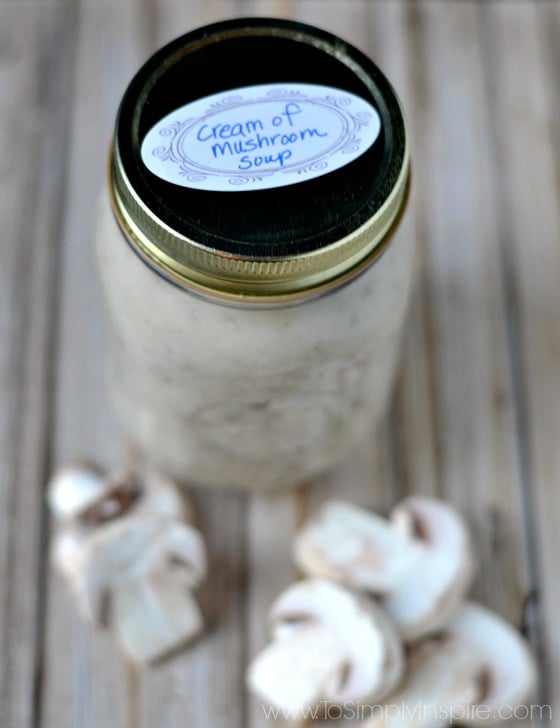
{"type": "Point", "coordinates": [274, 242]}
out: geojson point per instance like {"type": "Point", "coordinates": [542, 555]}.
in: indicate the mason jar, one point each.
{"type": "Point", "coordinates": [255, 283]}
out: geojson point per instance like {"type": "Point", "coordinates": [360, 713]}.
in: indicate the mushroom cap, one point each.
{"type": "Point", "coordinates": [428, 595]}
{"type": "Point", "coordinates": [509, 667]}
{"type": "Point", "coordinates": [293, 672]}
{"type": "Point", "coordinates": [132, 548]}
{"type": "Point", "coordinates": [67, 553]}
{"type": "Point", "coordinates": [73, 489]}
{"type": "Point", "coordinates": [420, 562]}
{"type": "Point", "coordinates": [128, 493]}
{"type": "Point", "coordinates": [89, 503]}
{"type": "Point", "coordinates": [82, 492]}
{"type": "Point", "coordinates": [374, 656]}
{"type": "Point", "coordinates": [349, 544]}
{"type": "Point", "coordinates": [480, 661]}
{"type": "Point", "coordinates": [158, 495]}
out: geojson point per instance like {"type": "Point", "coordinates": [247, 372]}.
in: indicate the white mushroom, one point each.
{"type": "Point", "coordinates": [328, 644]}
{"type": "Point", "coordinates": [83, 500]}
{"type": "Point", "coordinates": [81, 491]}
{"type": "Point", "coordinates": [128, 553]}
{"type": "Point", "coordinates": [419, 563]}
{"type": "Point", "coordinates": [73, 489]}
{"type": "Point", "coordinates": [479, 665]}
{"type": "Point", "coordinates": [138, 574]}
{"type": "Point", "coordinates": [510, 671]}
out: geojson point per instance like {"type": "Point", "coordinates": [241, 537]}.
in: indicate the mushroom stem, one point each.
{"type": "Point", "coordinates": [154, 616]}
{"type": "Point", "coordinates": [293, 672]}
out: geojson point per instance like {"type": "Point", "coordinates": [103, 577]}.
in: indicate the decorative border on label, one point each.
{"type": "Point", "coordinates": [318, 129]}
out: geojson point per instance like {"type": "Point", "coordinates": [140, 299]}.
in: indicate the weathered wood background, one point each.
{"type": "Point", "coordinates": [476, 417]}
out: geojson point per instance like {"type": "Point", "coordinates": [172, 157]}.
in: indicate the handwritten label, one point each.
{"type": "Point", "coordinates": [260, 137]}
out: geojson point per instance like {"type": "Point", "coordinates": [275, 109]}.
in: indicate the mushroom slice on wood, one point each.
{"type": "Point", "coordinates": [154, 615]}
{"type": "Point", "coordinates": [468, 673]}
{"type": "Point", "coordinates": [82, 492]}
{"type": "Point", "coordinates": [158, 564]}
{"type": "Point", "coordinates": [73, 489]}
{"type": "Point", "coordinates": [87, 503]}
{"type": "Point", "coordinates": [510, 673]}
{"type": "Point", "coordinates": [147, 494]}
{"type": "Point", "coordinates": [328, 644]}
{"type": "Point", "coordinates": [420, 562]}
{"type": "Point", "coordinates": [130, 557]}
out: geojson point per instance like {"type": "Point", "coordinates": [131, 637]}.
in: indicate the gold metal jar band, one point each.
{"type": "Point", "coordinates": [225, 276]}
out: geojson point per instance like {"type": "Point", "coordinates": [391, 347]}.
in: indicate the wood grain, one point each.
{"type": "Point", "coordinates": [526, 141]}
{"type": "Point", "coordinates": [32, 140]}
{"type": "Point", "coordinates": [85, 681]}
{"type": "Point", "coordinates": [476, 413]}
{"type": "Point", "coordinates": [466, 290]}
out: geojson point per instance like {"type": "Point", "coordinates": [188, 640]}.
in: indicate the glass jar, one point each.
{"type": "Point", "coordinates": [254, 312]}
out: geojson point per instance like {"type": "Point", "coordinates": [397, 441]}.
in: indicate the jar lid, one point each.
{"type": "Point", "coordinates": [259, 158]}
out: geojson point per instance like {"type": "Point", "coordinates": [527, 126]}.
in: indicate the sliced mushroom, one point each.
{"type": "Point", "coordinates": [419, 563]}
{"type": "Point", "coordinates": [479, 665]}
{"type": "Point", "coordinates": [139, 574]}
{"type": "Point", "coordinates": [130, 557]}
{"type": "Point", "coordinates": [84, 501]}
{"type": "Point", "coordinates": [83, 492]}
{"type": "Point", "coordinates": [328, 644]}
{"type": "Point", "coordinates": [154, 616]}
{"type": "Point", "coordinates": [73, 489]}
{"type": "Point", "coordinates": [149, 494]}
{"type": "Point", "coordinates": [510, 671]}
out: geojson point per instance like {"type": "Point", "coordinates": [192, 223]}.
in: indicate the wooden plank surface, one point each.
{"type": "Point", "coordinates": [476, 416]}
{"type": "Point", "coordinates": [32, 167]}
{"type": "Point", "coordinates": [527, 142]}
{"type": "Point", "coordinates": [84, 680]}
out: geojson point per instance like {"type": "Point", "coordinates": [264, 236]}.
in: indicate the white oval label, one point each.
{"type": "Point", "coordinates": [260, 137]}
